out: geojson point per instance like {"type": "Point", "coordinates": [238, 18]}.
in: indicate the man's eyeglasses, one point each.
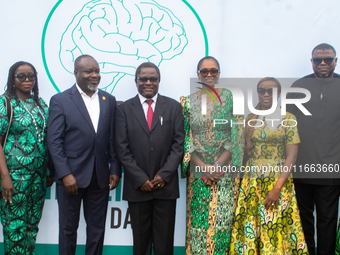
{"type": "Point", "coordinates": [152, 79]}
{"type": "Point", "coordinates": [204, 72]}
{"type": "Point", "coordinates": [327, 61]}
{"type": "Point", "coordinates": [22, 77]}
{"type": "Point", "coordinates": [262, 91]}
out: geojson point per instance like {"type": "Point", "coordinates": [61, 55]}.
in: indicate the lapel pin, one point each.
{"type": "Point", "coordinates": [104, 98]}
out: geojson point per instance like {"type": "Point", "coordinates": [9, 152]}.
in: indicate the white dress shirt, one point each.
{"type": "Point", "coordinates": [92, 106]}
{"type": "Point", "coordinates": [146, 106]}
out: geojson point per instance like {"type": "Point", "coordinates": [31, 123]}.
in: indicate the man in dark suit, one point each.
{"type": "Point", "coordinates": [150, 135]}
{"type": "Point", "coordinates": [80, 140]}
{"type": "Point", "coordinates": [316, 180]}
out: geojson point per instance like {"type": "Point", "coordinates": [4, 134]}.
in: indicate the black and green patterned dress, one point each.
{"type": "Point", "coordinates": [210, 208]}
{"type": "Point", "coordinates": [26, 158]}
{"type": "Point", "coordinates": [337, 244]}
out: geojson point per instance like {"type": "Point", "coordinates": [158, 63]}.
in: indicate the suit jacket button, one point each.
{"type": "Point", "coordinates": [151, 148]}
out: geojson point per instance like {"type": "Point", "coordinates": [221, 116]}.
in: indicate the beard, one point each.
{"type": "Point", "coordinates": [327, 75]}
{"type": "Point", "coordinates": [92, 88]}
{"type": "Point", "coordinates": [322, 75]}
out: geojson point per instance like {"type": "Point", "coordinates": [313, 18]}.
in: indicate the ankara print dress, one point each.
{"type": "Point", "coordinates": [210, 208]}
{"type": "Point", "coordinates": [26, 158]}
{"type": "Point", "coordinates": [337, 244]}
{"type": "Point", "coordinates": [274, 231]}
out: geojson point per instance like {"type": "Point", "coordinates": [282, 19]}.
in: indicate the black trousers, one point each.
{"type": "Point", "coordinates": [325, 199]}
{"type": "Point", "coordinates": [95, 201]}
{"type": "Point", "coordinates": [153, 223]}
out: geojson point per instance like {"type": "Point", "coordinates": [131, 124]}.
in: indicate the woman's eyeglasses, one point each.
{"type": "Point", "coordinates": [204, 72]}
{"type": "Point", "coordinates": [22, 77]}
{"type": "Point", "coordinates": [263, 91]}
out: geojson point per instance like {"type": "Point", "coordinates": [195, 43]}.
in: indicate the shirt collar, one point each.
{"type": "Point", "coordinates": [83, 93]}
{"type": "Point", "coordinates": [275, 115]}
{"type": "Point", "coordinates": [142, 99]}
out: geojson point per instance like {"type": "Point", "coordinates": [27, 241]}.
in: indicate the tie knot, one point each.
{"type": "Point", "coordinates": [149, 101]}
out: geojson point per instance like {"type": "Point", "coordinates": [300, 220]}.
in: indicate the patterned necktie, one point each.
{"type": "Point", "coordinates": [150, 112]}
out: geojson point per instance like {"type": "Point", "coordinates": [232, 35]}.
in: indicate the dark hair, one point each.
{"type": "Point", "coordinates": [270, 79]}
{"type": "Point", "coordinates": [324, 46]}
{"type": "Point", "coordinates": [76, 62]}
{"type": "Point", "coordinates": [144, 65]}
{"type": "Point", "coordinates": [10, 90]}
{"type": "Point", "coordinates": [249, 130]}
{"type": "Point", "coordinates": [206, 58]}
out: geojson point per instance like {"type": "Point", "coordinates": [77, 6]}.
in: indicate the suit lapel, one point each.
{"type": "Point", "coordinates": [103, 107]}
{"type": "Point", "coordinates": [138, 111]}
{"type": "Point", "coordinates": [79, 102]}
{"type": "Point", "coordinates": [158, 114]}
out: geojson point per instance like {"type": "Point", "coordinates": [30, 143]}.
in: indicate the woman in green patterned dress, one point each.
{"type": "Point", "coordinates": [210, 195]}
{"type": "Point", "coordinates": [23, 160]}
{"type": "Point", "coordinates": [337, 244]}
{"type": "Point", "coordinates": [267, 219]}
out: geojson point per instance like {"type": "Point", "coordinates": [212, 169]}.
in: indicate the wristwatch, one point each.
{"type": "Point", "coordinates": [218, 164]}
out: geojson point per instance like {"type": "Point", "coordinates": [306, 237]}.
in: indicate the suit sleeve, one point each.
{"type": "Point", "coordinates": [55, 138]}
{"type": "Point", "coordinates": [176, 153]}
{"type": "Point", "coordinates": [137, 176]}
{"type": "Point", "coordinates": [115, 168]}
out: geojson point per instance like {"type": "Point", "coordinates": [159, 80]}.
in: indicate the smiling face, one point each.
{"type": "Point", "coordinates": [87, 74]}
{"type": "Point", "coordinates": [266, 97]}
{"type": "Point", "coordinates": [206, 72]}
{"type": "Point", "coordinates": [323, 70]}
{"type": "Point", "coordinates": [23, 88]}
{"type": "Point", "coordinates": [147, 89]}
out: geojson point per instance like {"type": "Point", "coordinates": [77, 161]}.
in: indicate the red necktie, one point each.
{"type": "Point", "coordinates": [150, 112]}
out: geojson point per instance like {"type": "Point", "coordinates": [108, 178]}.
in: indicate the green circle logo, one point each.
{"type": "Point", "coordinates": [120, 35]}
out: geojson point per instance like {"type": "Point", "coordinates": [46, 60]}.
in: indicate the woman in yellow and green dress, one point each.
{"type": "Point", "coordinates": [267, 219]}
{"type": "Point", "coordinates": [23, 159]}
{"type": "Point", "coordinates": [210, 195]}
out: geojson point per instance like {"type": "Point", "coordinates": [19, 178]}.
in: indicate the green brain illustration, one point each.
{"type": "Point", "coordinates": [121, 35]}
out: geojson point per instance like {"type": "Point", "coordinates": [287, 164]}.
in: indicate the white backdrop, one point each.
{"type": "Point", "coordinates": [249, 38]}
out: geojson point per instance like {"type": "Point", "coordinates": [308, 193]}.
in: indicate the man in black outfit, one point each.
{"type": "Point", "coordinates": [319, 150]}
{"type": "Point", "coordinates": [150, 136]}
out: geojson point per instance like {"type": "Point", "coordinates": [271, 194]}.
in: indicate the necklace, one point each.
{"type": "Point", "coordinates": [40, 135]}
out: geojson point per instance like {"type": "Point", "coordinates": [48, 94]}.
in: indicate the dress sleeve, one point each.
{"type": "Point", "coordinates": [291, 132]}
{"type": "Point", "coordinates": [4, 122]}
{"type": "Point", "coordinates": [187, 156]}
{"type": "Point", "coordinates": [237, 137]}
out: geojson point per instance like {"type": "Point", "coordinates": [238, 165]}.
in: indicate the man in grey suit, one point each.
{"type": "Point", "coordinates": [150, 135]}
{"type": "Point", "coordinates": [80, 140]}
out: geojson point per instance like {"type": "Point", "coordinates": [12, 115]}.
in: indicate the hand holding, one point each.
{"type": "Point", "coordinates": [272, 198]}
{"type": "Point", "coordinates": [213, 172]}
{"type": "Point", "coordinates": [147, 186]}
{"type": "Point", "coordinates": [70, 184]}
{"type": "Point", "coordinates": [114, 181]}
{"type": "Point", "coordinates": [212, 175]}
{"type": "Point", "coordinates": [209, 181]}
{"type": "Point", "coordinates": [158, 182]}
